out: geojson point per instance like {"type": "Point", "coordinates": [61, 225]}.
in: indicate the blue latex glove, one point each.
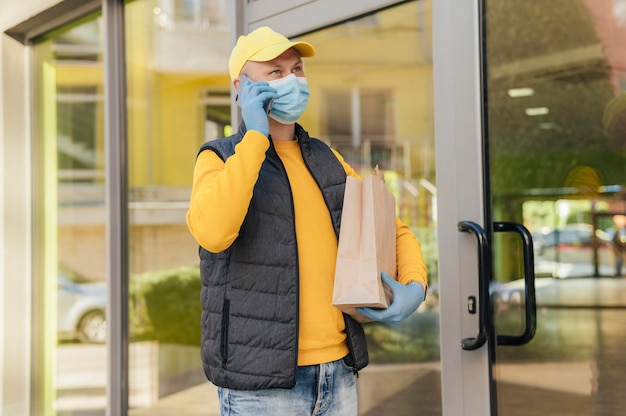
{"type": "Point", "coordinates": [406, 300]}
{"type": "Point", "coordinates": [252, 97]}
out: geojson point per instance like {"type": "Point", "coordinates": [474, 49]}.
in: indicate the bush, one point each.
{"type": "Point", "coordinates": [165, 306]}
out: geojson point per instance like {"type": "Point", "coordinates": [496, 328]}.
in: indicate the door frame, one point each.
{"type": "Point", "coordinates": [461, 173]}
{"type": "Point", "coordinates": [460, 168]}
{"type": "Point", "coordinates": [302, 16]}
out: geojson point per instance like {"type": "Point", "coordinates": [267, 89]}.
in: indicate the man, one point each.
{"type": "Point", "coordinates": [266, 210]}
{"type": "Point", "coordinates": [619, 242]}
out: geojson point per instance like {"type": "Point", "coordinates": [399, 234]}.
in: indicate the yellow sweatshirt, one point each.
{"type": "Point", "coordinates": [219, 201]}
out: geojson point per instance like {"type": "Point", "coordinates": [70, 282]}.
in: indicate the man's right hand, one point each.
{"type": "Point", "coordinates": [253, 96]}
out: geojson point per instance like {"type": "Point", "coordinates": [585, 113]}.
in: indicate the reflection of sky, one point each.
{"type": "Point", "coordinates": [87, 33]}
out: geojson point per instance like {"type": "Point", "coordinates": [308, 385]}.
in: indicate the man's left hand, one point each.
{"type": "Point", "coordinates": [406, 300]}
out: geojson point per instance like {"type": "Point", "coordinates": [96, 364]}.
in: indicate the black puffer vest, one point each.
{"type": "Point", "coordinates": [250, 291]}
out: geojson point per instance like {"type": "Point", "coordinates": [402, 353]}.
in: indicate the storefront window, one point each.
{"type": "Point", "coordinates": [69, 289]}
{"type": "Point", "coordinates": [178, 97]}
{"type": "Point", "coordinates": [378, 112]}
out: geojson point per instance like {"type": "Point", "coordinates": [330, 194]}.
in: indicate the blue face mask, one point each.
{"type": "Point", "coordinates": [293, 96]}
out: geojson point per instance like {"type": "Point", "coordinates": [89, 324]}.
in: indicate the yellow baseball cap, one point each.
{"type": "Point", "coordinates": [261, 45]}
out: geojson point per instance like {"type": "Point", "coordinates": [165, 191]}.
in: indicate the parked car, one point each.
{"type": "Point", "coordinates": [569, 252]}
{"type": "Point", "coordinates": [81, 308]}
{"type": "Point", "coordinates": [577, 235]}
{"type": "Point", "coordinates": [581, 292]}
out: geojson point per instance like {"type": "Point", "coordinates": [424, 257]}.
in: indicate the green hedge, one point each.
{"type": "Point", "coordinates": [165, 306]}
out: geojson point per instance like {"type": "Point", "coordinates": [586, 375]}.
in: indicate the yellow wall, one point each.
{"type": "Point", "coordinates": [165, 123]}
{"type": "Point", "coordinates": [178, 125]}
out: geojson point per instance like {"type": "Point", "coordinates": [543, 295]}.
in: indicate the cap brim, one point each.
{"type": "Point", "coordinates": [273, 51]}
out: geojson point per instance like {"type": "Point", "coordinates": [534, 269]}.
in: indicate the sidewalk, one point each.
{"type": "Point", "coordinates": [526, 389]}
{"type": "Point", "coordinates": [400, 390]}
{"type": "Point", "coordinates": [200, 400]}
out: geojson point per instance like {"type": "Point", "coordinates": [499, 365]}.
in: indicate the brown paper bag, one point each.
{"type": "Point", "coordinates": [367, 246]}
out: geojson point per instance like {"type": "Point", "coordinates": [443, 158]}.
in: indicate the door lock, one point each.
{"type": "Point", "coordinates": [471, 304]}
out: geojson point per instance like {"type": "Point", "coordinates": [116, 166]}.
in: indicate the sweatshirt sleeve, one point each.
{"type": "Point", "coordinates": [409, 258]}
{"type": "Point", "coordinates": [221, 192]}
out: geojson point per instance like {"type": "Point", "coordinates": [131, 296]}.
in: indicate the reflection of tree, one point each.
{"type": "Point", "coordinates": [558, 56]}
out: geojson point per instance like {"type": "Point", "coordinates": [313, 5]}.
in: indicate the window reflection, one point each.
{"type": "Point", "coordinates": [554, 77]}
{"type": "Point", "coordinates": [179, 97]}
{"type": "Point", "coordinates": [359, 125]}
{"type": "Point", "coordinates": [77, 57]}
{"type": "Point", "coordinates": [191, 14]}
{"type": "Point", "coordinates": [70, 262]}
{"type": "Point", "coordinates": [77, 113]}
{"type": "Point", "coordinates": [375, 108]}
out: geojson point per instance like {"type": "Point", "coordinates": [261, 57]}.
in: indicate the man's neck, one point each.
{"type": "Point", "coordinates": [282, 132]}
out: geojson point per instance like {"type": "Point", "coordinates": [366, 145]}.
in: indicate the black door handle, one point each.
{"type": "Point", "coordinates": [483, 286]}
{"type": "Point", "coordinates": [530, 308]}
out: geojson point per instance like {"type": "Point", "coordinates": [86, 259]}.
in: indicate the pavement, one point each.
{"type": "Point", "coordinates": [580, 379]}
{"type": "Point", "coordinates": [529, 389]}
{"type": "Point", "coordinates": [396, 389]}
{"type": "Point", "coordinates": [200, 400]}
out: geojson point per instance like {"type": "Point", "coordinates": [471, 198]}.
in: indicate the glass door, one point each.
{"type": "Point", "coordinates": [555, 110]}
{"type": "Point", "coordinates": [530, 109]}
{"type": "Point", "coordinates": [372, 100]}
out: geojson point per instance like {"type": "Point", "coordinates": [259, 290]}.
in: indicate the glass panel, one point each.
{"type": "Point", "coordinates": [379, 112]}
{"type": "Point", "coordinates": [178, 97]}
{"type": "Point", "coordinates": [557, 140]}
{"type": "Point", "coordinates": [377, 108]}
{"type": "Point", "coordinates": [70, 282]}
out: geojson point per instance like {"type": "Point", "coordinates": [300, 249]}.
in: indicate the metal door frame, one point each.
{"type": "Point", "coordinates": [461, 173]}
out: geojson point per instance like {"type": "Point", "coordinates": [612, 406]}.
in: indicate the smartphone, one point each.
{"type": "Point", "coordinates": [243, 80]}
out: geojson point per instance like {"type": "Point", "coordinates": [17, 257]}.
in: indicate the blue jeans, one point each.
{"type": "Point", "coordinates": [325, 389]}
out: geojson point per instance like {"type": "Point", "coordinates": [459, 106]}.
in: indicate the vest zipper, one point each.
{"type": "Point", "coordinates": [224, 344]}
{"type": "Point", "coordinates": [297, 263]}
